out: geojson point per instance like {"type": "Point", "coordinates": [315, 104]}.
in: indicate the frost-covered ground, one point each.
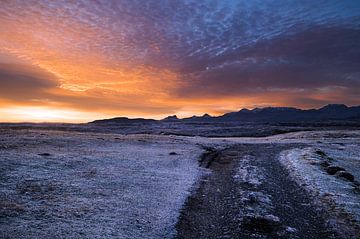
{"type": "Point", "coordinates": [85, 185]}
{"type": "Point", "coordinates": [94, 185]}
{"type": "Point", "coordinates": [331, 173]}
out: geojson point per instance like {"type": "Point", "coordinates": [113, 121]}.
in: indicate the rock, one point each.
{"type": "Point", "coordinates": [346, 175]}
{"type": "Point", "coordinates": [321, 153]}
{"type": "Point", "coordinates": [45, 154]}
{"type": "Point", "coordinates": [172, 153]}
{"type": "Point", "coordinates": [334, 169]}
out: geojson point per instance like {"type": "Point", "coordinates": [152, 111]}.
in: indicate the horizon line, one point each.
{"type": "Point", "coordinates": [170, 115]}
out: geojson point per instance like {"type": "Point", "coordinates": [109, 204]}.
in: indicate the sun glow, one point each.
{"type": "Point", "coordinates": [45, 114]}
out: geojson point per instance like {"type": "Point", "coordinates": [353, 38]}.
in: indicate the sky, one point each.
{"type": "Point", "coordinates": [75, 61]}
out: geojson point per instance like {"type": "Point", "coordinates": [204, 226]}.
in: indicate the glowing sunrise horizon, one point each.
{"type": "Point", "coordinates": [77, 61]}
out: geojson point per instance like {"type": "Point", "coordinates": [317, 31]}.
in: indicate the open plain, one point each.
{"type": "Point", "coordinates": [64, 184]}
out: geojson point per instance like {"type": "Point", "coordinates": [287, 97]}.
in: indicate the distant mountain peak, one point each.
{"type": "Point", "coordinates": [334, 107]}
{"type": "Point", "coordinates": [171, 118]}
{"type": "Point", "coordinates": [273, 109]}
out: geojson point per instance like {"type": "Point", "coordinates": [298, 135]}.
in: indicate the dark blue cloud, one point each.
{"type": "Point", "coordinates": [24, 82]}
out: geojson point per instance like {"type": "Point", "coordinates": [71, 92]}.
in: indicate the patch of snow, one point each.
{"type": "Point", "coordinates": [247, 173]}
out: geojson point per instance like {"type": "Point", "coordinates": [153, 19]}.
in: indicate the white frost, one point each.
{"type": "Point", "coordinates": [94, 185]}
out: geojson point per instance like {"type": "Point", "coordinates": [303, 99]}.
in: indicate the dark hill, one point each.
{"type": "Point", "coordinates": [123, 120]}
{"type": "Point", "coordinates": [286, 114]}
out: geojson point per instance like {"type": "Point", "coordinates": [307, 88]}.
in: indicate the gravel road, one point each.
{"type": "Point", "coordinates": [248, 194]}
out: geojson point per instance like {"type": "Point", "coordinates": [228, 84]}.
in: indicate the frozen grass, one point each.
{"type": "Point", "coordinates": [309, 167]}
{"type": "Point", "coordinates": [84, 185]}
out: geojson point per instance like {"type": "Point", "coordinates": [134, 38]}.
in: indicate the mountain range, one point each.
{"type": "Point", "coordinates": [263, 115]}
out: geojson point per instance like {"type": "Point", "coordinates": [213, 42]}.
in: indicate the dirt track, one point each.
{"type": "Point", "coordinates": [249, 194]}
